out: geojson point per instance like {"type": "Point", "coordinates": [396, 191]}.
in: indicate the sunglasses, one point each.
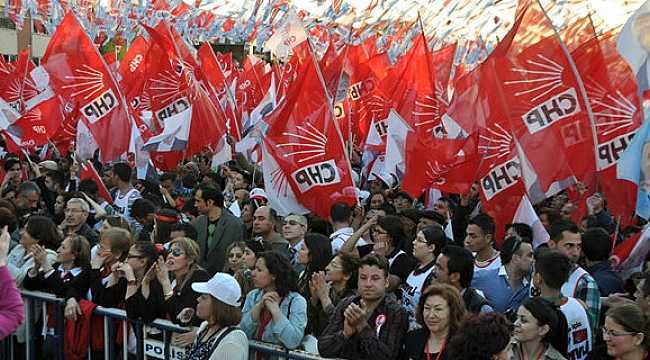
{"type": "Point", "coordinates": [176, 252]}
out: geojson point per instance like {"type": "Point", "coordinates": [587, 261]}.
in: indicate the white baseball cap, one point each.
{"type": "Point", "coordinates": [222, 287]}
{"type": "Point", "coordinates": [258, 193]}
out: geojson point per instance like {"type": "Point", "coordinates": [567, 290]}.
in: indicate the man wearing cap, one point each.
{"type": "Point", "coordinates": [264, 230]}
{"type": "Point", "coordinates": [258, 196]}
{"type": "Point", "coordinates": [430, 217]}
{"type": "Point", "coordinates": [294, 228]}
{"type": "Point", "coordinates": [219, 336]}
{"type": "Point", "coordinates": [216, 228]}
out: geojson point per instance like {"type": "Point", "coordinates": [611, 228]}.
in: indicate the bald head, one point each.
{"type": "Point", "coordinates": [263, 221]}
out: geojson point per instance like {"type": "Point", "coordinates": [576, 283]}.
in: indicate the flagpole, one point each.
{"type": "Point", "coordinates": [581, 85]}
{"type": "Point", "coordinates": [331, 110]}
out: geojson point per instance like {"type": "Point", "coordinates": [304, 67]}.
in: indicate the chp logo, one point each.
{"type": "Point", "coordinates": [427, 115]}
{"type": "Point", "coordinates": [542, 78]}
{"type": "Point", "coordinates": [436, 173]}
{"type": "Point", "coordinates": [496, 146]}
{"type": "Point", "coordinates": [176, 107]}
{"type": "Point", "coordinates": [308, 143]}
{"type": "Point", "coordinates": [89, 85]}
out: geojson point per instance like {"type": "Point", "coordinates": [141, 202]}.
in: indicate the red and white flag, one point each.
{"type": "Point", "coordinates": [79, 74]}
{"type": "Point", "coordinates": [306, 145]}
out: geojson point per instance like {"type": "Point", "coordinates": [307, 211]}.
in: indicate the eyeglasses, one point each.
{"type": "Point", "coordinates": [135, 256]}
{"type": "Point", "coordinates": [76, 211]}
{"type": "Point", "coordinates": [291, 222]}
{"type": "Point", "coordinates": [613, 333]}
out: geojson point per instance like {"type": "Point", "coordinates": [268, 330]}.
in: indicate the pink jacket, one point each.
{"type": "Point", "coordinates": [11, 304]}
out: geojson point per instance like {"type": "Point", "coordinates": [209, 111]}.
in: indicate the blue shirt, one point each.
{"type": "Point", "coordinates": [496, 288]}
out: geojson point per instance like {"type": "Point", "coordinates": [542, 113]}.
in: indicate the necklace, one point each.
{"type": "Point", "coordinates": [442, 348]}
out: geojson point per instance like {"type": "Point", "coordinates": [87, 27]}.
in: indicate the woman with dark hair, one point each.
{"type": "Point", "coordinates": [377, 200]}
{"type": "Point", "coordinates": [426, 247]}
{"type": "Point", "coordinates": [242, 256]}
{"type": "Point", "coordinates": [135, 273]}
{"type": "Point", "coordinates": [40, 233]}
{"type": "Point", "coordinates": [338, 282]}
{"type": "Point", "coordinates": [483, 336]}
{"type": "Point", "coordinates": [388, 235]}
{"type": "Point", "coordinates": [274, 311]}
{"type": "Point", "coordinates": [315, 254]}
{"type": "Point", "coordinates": [540, 331]}
{"type": "Point", "coordinates": [439, 314]}
{"type": "Point", "coordinates": [626, 334]}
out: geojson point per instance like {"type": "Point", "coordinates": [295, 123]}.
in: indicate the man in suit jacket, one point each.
{"type": "Point", "coordinates": [216, 228]}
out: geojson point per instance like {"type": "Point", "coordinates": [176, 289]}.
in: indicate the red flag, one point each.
{"type": "Point", "coordinates": [305, 143]}
{"type": "Point", "coordinates": [87, 171]}
{"type": "Point", "coordinates": [218, 84]}
{"type": "Point", "coordinates": [176, 87]}
{"type": "Point", "coordinates": [612, 91]}
{"type": "Point", "coordinates": [542, 98]}
{"type": "Point", "coordinates": [18, 87]}
{"type": "Point", "coordinates": [38, 124]}
{"type": "Point", "coordinates": [78, 73]}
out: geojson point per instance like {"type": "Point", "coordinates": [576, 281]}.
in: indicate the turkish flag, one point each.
{"type": "Point", "coordinates": [79, 74]}
{"type": "Point", "coordinates": [306, 144]}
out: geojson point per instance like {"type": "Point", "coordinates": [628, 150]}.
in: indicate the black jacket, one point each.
{"type": "Point", "coordinates": [413, 347]}
{"type": "Point", "coordinates": [65, 287]}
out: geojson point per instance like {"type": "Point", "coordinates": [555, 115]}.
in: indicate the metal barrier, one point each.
{"type": "Point", "coordinates": [110, 315]}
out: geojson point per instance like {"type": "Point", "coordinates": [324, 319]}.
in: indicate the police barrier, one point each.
{"type": "Point", "coordinates": [144, 348]}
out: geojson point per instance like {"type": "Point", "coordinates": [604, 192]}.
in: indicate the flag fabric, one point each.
{"type": "Point", "coordinates": [306, 144]}
{"type": "Point", "coordinates": [634, 166]}
{"type": "Point", "coordinates": [18, 87]}
{"type": "Point", "coordinates": [88, 171]}
{"type": "Point", "coordinates": [79, 74]}
{"type": "Point", "coordinates": [286, 37]}
{"type": "Point", "coordinates": [38, 125]}
{"type": "Point", "coordinates": [633, 46]}
{"type": "Point", "coordinates": [630, 254]}
{"type": "Point", "coordinates": [175, 134]}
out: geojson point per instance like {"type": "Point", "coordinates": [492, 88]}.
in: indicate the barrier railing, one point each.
{"type": "Point", "coordinates": [144, 347]}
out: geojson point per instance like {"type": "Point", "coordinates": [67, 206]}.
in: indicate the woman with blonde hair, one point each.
{"type": "Point", "coordinates": [183, 264]}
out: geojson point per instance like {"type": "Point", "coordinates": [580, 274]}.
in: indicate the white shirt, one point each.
{"type": "Point", "coordinates": [579, 330]}
{"type": "Point", "coordinates": [339, 236]}
{"type": "Point", "coordinates": [233, 346]}
{"type": "Point", "coordinates": [490, 264]}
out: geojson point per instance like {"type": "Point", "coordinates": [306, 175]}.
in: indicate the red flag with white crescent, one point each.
{"type": "Point", "coordinates": [79, 74]}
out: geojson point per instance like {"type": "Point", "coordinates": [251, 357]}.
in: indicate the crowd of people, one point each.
{"type": "Point", "coordinates": [384, 279]}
